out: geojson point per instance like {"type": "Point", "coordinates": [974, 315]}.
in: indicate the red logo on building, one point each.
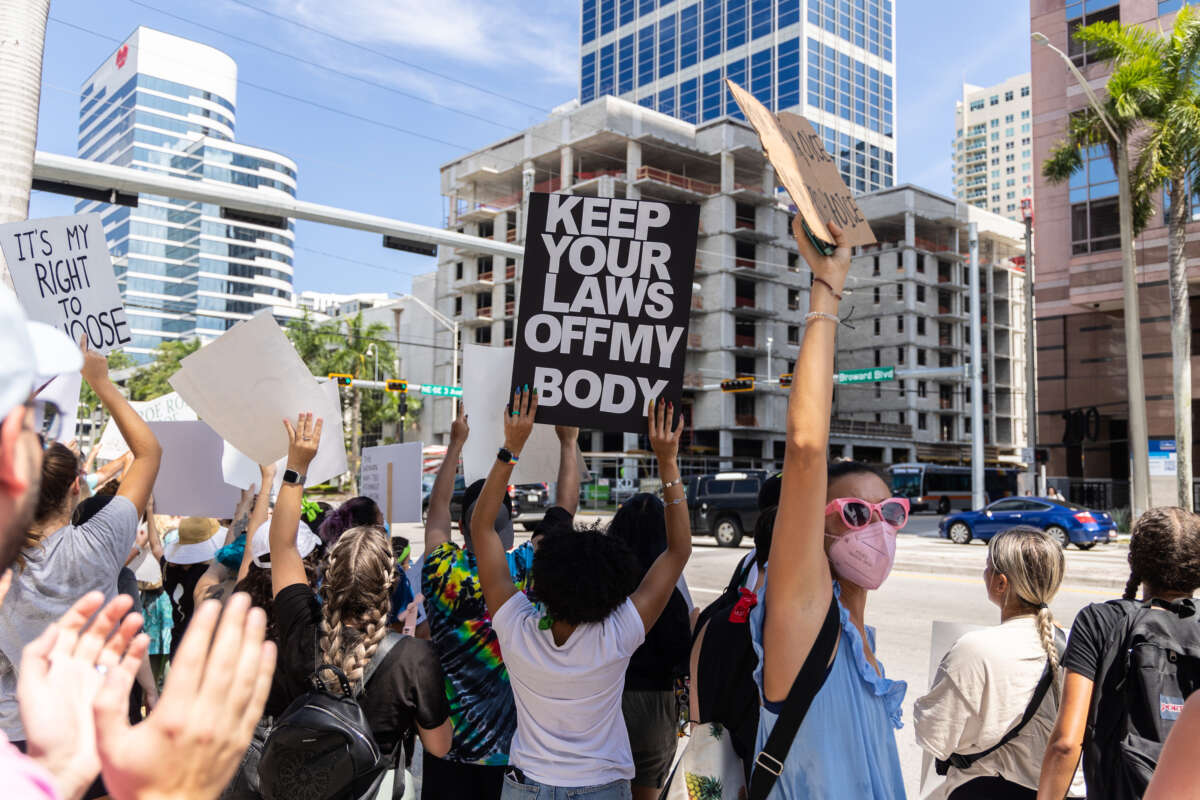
{"type": "Point", "coordinates": [122, 54]}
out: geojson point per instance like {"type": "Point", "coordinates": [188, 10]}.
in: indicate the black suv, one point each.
{"type": "Point", "coordinates": [725, 505]}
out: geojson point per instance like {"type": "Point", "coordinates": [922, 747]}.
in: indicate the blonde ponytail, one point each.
{"type": "Point", "coordinates": [356, 596]}
{"type": "Point", "coordinates": [1034, 564]}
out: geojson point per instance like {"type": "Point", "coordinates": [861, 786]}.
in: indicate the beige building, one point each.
{"type": "Point", "coordinates": [993, 146]}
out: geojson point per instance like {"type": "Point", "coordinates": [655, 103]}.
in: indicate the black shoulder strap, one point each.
{"type": "Point", "coordinates": [961, 762]}
{"type": "Point", "coordinates": [385, 647]}
{"type": "Point", "coordinates": [768, 764]}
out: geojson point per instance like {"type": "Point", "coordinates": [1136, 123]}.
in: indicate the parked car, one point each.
{"type": "Point", "coordinates": [1066, 522]}
{"type": "Point", "coordinates": [460, 487]}
{"type": "Point", "coordinates": [530, 501]}
{"type": "Point", "coordinates": [725, 505]}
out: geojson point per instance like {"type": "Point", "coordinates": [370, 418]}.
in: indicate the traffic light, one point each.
{"type": "Point", "coordinates": [396, 385]}
{"type": "Point", "coordinates": [342, 378]}
{"type": "Point", "coordinates": [785, 379]}
{"type": "Point", "coordinates": [1041, 455]}
{"type": "Point", "coordinates": [738, 385]}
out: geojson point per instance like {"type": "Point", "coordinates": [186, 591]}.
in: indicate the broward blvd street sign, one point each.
{"type": "Point", "coordinates": [870, 375]}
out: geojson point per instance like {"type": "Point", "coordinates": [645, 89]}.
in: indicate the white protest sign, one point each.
{"type": "Point", "coordinates": [391, 476]}
{"type": "Point", "coordinates": [63, 391]}
{"type": "Point", "coordinates": [487, 372]}
{"type": "Point", "coordinates": [942, 638]}
{"type": "Point", "coordinates": [63, 275]}
{"type": "Point", "coordinates": [166, 408]}
{"type": "Point", "coordinates": [271, 383]}
{"type": "Point", "coordinates": [189, 482]}
{"type": "Point", "coordinates": [241, 471]}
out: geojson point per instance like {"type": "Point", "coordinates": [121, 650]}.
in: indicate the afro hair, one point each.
{"type": "Point", "coordinates": [583, 575]}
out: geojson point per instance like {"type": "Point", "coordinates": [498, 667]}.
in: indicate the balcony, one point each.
{"type": "Point", "coordinates": [510, 309]}
{"type": "Point", "coordinates": [480, 282]}
{"type": "Point", "coordinates": [745, 421]}
{"type": "Point", "coordinates": [476, 212]}
{"type": "Point", "coordinates": [747, 307]}
{"type": "Point", "coordinates": [863, 428]}
{"type": "Point", "coordinates": [753, 195]}
{"type": "Point", "coordinates": [478, 317]}
{"type": "Point", "coordinates": [510, 272]}
{"type": "Point", "coordinates": [948, 312]}
{"type": "Point", "coordinates": [662, 182]}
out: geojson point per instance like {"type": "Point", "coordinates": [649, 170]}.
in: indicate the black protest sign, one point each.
{"type": "Point", "coordinates": [63, 276]}
{"type": "Point", "coordinates": [605, 299]}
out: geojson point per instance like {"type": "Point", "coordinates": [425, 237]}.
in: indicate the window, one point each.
{"type": "Point", "coordinates": [793, 299]}
{"type": "Point", "coordinates": [877, 361]}
{"type": "Point", "coordinates": [851, 89]}
{"type": "Point", "coordinates": [1095, 224]}
{"type": "Point", "coordinates": [994, 100]}
{"type": "Point", "coordinates": [608, 16]}
{"type": "Point", "coordinates": [787, 59]}
{"type": "Point", "coordinates": [589, 20]}
{"type": "Point", "coordinates": [920, 293]}
{"type": "Point", "coordinates": [712, 35]}
{"type": "Point", "coordinates": [1024, 91]}
{"type": "Point", "coordinates": [666, 48]}
{"type": "Point", "coordinates": [793, 333]}
{"type": "Point", "coordinates": [876, 292]}
{"type": "Point", "coordinates": [900, 324]}
{"type": "Point", "coordinates": [899, 291]}
{"type": "Point", "coordinates": [899, 355]}
{"type": "Point", "coordinates": [760, 76]}
{"type": "Point", "coordinates": [687, 100]}
{"type": "Point", "coordinates": [1025, 114]}
{"type": "Point", "coordinates": [712, 90]}
{"type": "Point", "coordinates": [875, 265]}
{"type": "Point", "coordinates": [995, 123]}
{"type": "Point", "coordinates": [760, 18]}
{"type": "Point", "coordinates": [645, 57]}
{"type": "Point", "coordinates": [458, 271]}
{"type": "Point", "coordinates": [689, 36]}
{"type": "Point", "coordinates": [920, 326]}
{"type": "Point", "coordinates": [483, 335]}
{"type": "Point", "coordinates": [626, 13]}
{"type": "Point", "coordinates": [878, 326]}
{"type": "Point", "coordinates": [625, 62]}
{"type": "Point", "coordinates": [1008, 119]}
{"type": "Point", "coordinates": [878, 391]}
{"type": "Point", "coordinates": [606, 74]}
{"type": "Point", "coordinates": [922, 420]}
{"type": "Point", "coordinates": [920, 264]}
{"type": "Point", "coordinates": [920, 357]}
{"type": "Point", "coordinates": [977, 105]}
{"type": "Point", "coordinates": [1080, 14]}
{"type": "Point", "coordinates": [922, 389]}
{"type": "Point", "coordinates": [1008, 96]}
{"type": "Point", "coordinates": [587, 78]}
{"type": "Point", "coordinates": [900, 417]}
{"type": "Point", "coordinates": [735, 23]}
{"type": "Point", "coordinates": [868, 26]}
{"type": "Point", "coordinates": [458, 306]}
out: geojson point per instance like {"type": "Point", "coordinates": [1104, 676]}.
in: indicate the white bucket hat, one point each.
{"type": "Point", "coordinates": [34, 352]}
{"type": "Point", "coordinates": [260, 545]}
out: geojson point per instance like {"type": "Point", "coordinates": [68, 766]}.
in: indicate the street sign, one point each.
{"type": "Point", "coordinates": [1027, 455]}
{"type": "Point", "coordinates": [434, 390]}
{"type": "Point", "coordinates": [869, 375]}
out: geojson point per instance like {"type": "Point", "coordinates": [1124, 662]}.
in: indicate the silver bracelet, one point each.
{"type": "Point", "coordinates": [675, 482]}
{"type": "Point", "coordinates": [674, 502]}
{"type": "Point", "coordinates": [816, 315]}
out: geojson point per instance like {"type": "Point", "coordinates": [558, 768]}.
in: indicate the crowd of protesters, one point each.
{"type": "Point", "coordinates": [295, 650]}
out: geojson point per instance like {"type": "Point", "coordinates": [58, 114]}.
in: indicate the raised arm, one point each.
{"type": "Point", "coordinates": [153, 534]}
{"type": "Point", "coordinates": [287, 568]}
{"type": "Point", "coordinates": [799, 584]}
{"type": "Point", "coordinates": [138, 480]}
{"type": "Point", "coordinates": [652, 594]}
{"type": "Point", "coordinates": [437, 519]}
{"type": "Point", "coordinates": [1066, 739]}
{"type": "Point", "coordinates": [257, 516]}
{"type": "Point", "coordinates": [494, 577]}
{"type": "Point", "coordinates": [566, 493]}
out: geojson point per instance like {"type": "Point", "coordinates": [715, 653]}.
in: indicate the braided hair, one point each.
{"type": "Point", "coordinates": [356, 598]}
{"type": "Point", "coordinates": [1164, 552]}
{"type": "Point", "coordinates": [1034, 565]}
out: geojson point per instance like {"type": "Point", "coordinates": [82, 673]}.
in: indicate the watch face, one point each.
{"type": "Point", "coordinates": [291, 476]}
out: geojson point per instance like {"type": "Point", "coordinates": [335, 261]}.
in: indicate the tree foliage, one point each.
{"type": "Point", "coordinates": [150, 381]}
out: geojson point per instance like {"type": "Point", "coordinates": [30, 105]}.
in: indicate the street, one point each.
{"type": "Point", "coordinates": [934, 579]}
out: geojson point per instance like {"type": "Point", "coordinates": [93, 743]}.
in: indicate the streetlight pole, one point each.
{"type": "Point", "coordinates": [1139, 439]}
{"type": "Point", "coordinates": [977, 488]}
{"type": "Point", "coordinates": [1030, 351]}
{"type": "Point", "coordinates": [452, 326]}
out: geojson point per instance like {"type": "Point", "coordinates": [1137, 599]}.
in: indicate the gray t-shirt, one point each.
{"type": "Point", "coordinates": [71, 562]}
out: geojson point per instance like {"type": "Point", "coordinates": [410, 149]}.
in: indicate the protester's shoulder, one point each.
{"type": "Point", "coordinates": [515, 609]}
{"type": "Point", "coordinates": [976, 650]}
{"type": "Point", "coordinates": [297, 600]}
{"type": "Point", "coordinates": [413, 653]}
{"type": "Point", "coordinates": [1098, 619]}
{"type": "Point", "coordinates": [445, 554]}
{"type": "Point", "coordinates": [557, 515]}
{"type": "Point", "coordinates": [119, 515]}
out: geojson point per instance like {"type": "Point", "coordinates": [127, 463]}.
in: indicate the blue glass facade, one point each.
{"type": "Point", "coordinates": [184, 268]}
{"type": "Point", "coordinates": [831, 60]}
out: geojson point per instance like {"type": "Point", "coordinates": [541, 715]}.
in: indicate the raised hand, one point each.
{"type": "Point", "coordinates": [663, 439]}
{"type": "Point", "coordinates": [566, 434]}
{"type": "Point", "coordinates": [303, 440]}
{"type": "Point", "coordinates": [459, 429]}
{"type": "Point", "coordinates": [95, 366]}
{"type": "Point", "coordinates": [831, 269]}
{"type": "Point", "coordinates": [518, 420]}
{"type": "Point", "coordinates": [61, 673]}
{"type": "Point", "coordinates": [192, 742]}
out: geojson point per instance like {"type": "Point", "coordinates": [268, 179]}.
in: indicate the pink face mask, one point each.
{"type": "Point", "coordinates": [864, 556]}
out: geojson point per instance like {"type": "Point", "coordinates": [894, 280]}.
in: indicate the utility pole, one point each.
{"type": "Point", "coordinates": [1030, 351]}
{"type": "Point", "coordinates": [977, 493]}
{"type": "Point", "coordinates": [22, 39]}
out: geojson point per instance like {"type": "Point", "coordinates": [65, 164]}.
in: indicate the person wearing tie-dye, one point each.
{"type": "Point", "coordinates": [477, 685]}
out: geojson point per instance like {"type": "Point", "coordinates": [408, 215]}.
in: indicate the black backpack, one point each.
{"type": "Point", "coordinates": [322, 745]}
{"type": "Point", "coordinates": [1149, 670]}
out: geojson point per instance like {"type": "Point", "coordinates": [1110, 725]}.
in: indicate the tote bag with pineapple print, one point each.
{"type": "Point", "coordinates": [708, 769]}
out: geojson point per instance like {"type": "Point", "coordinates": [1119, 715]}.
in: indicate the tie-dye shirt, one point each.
{"type": "Point", "coordinates": [481, 701]}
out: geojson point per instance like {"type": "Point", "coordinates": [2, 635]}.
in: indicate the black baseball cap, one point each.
{"type": "Point", "coordinates": [768, 493]}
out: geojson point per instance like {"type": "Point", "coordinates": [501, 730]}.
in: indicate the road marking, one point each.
{"type": "Point", "coordinates": [1096, 592]}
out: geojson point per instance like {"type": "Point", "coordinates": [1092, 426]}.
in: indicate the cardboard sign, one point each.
{"type": "Point", "coordinates": [484, 369]}
{"type": "Point", "coordinates": [806, 170]}
{"type": "Point", "coordinates": [605, 301]}
{"type": "Point", "coordinates": [63, 275]}
{"type": "Point", "coordinates": [246, 382]}
{"type": "Point", "coordinates": [166, 408]}
{"type": "Point", "coordinates": [189, 482]}
{"type": "Point", "coordinates": [391, 476]}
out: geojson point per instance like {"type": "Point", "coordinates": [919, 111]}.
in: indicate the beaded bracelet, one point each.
{"type": "Point", "coordinates": [674, 502]}
{"type": "Point", "coordinates": [675, 482]}
{"type": "Point", "coordinates": [816, 315]}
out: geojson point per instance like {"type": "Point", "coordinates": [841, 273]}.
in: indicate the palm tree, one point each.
{"type": "Point", "coordinates": [1137, 88]}
{"type": "Point", "coordinates": [23, 27]}
{"type": "Point", "coordinates": [1168, 157]}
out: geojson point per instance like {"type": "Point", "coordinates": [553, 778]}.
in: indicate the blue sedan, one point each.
{"type": "Point", "coordinates": [1066, 523]}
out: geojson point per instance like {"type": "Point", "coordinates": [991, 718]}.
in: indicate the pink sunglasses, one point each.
{"type": "Point", "coordinates": [857, 513]}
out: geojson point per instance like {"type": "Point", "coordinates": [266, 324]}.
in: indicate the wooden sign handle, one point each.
{"type": "Point", "coordinates": [389, 494]}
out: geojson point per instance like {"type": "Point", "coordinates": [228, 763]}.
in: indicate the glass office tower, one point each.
{"type": "Point", "coordinates": [186, 269]}
{"type": "Point", "coordinates": [833, 61]}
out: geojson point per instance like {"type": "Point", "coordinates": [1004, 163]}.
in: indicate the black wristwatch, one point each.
{"type": "Point", "coordinates": [291, 476]}
{"type": "Point", "coordinates": [506, 456]}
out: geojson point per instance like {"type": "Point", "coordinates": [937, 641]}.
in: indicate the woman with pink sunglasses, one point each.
{"type": "Point", "coordinates": [826, 727]}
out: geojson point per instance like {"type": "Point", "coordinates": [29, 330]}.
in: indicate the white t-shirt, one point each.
{"type": "Point", "coordinates": [570, 729]}
{"type": "Point", "coordinates": [980, 692]}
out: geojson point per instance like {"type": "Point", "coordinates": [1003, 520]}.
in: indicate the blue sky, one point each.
{"type": "Point", "coordinates": [438, 79]}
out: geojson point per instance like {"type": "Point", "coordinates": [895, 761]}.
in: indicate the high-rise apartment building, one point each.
{"type": "Point", "coordinates": [832, 61]}
{"type": "Point", "coordinates": [1083, 416]}
{"type": "Point", "coordinates": [993, 146]}
{"type": "Point", "coordinates": [186, 269]}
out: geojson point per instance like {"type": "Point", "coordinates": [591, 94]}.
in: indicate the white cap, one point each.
{"type": "Point", "coordinates": [34, 352]}
{"type": "Point", "coordinates": [260, 545]}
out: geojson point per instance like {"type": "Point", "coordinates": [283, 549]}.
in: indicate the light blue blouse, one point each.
{"type": "Point", "coordinates": [846, 746]}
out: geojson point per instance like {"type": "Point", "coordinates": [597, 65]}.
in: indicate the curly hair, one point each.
{"type": "Point", "coordinates": [641, 523]}
{"type": "Point", "coordinates": [582, 575]}
{"type": "Point", "coordinates": [355, 512]}
{"type": "Point", "coordinates": [356, 598]}
{"type": "Point", "coordinates": [1034, 565]}
{"type": "Point", "coordinates": [257, 584]}
{"type": "Point", "coordinates": [1164, 552]}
